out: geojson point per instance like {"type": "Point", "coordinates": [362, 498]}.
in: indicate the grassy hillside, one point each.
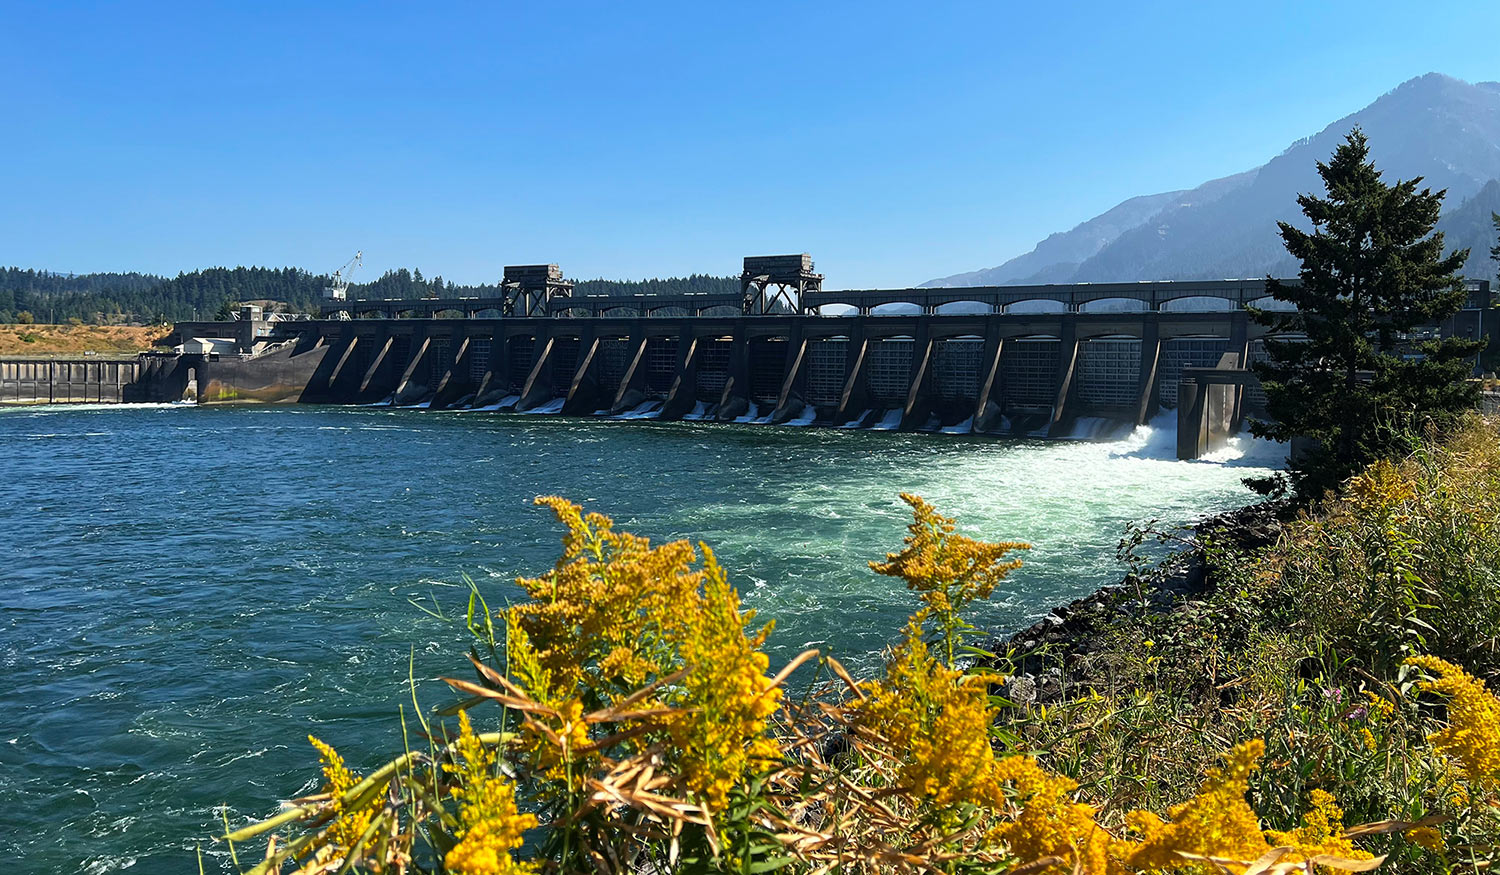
{"type": "Point", "coordinates": [50, 340]}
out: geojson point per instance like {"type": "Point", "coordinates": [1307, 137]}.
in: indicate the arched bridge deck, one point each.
{"type": "Point", "coordinates": [1234, 294]}
{"type": "Point", "coordinates": [1153, 296]}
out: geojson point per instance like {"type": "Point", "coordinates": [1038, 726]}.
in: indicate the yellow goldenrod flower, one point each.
{"type": "Point", "coordinates": [1380, 705]}
{"type": "Point", "coordinates": [489, 825]}
{"type": "Point", "coordinates": [616, 614]}
{"type": "Point", "coordinates": [1051, 824]}
{"type": "Point", "coordinates": [1321, 832]}
{"type": "Point", "coordinates": [348, 825]}
{"type": "Point", "coordinates": [1217, 822]}
{"type": "Point", "coordinates": [945, 569]}
{"type": "Point", "coordinates": [1472, 736]}
{"type": "Point", "coordinates": [726, 697]}
{"type": "Point", "coordinates": [1427, 837]}
{"type": "Point", "coordinates": [936, 721]}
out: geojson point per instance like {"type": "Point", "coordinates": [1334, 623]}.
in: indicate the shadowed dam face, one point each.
{"type": "Point", "coordinates": [1053, 374]}
{"type": "Point", "coordinates": [1089, 360]}
{"type": "Point", "coordinates": [194, 589]}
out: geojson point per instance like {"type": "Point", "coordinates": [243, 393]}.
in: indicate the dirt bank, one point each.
{"type": "Point", "coordinates": [55, 340]}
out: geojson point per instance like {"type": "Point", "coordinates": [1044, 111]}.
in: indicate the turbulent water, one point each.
{"type": "Point", "coordinates": [187, 593]}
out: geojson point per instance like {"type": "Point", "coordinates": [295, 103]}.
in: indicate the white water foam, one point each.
{"type": "Point", "coordinates": [553, 406]}
{"type": "Point", "coordinates": [1158, 440]}
{"type": "Point", "coordinates": [750, 415]}
{"type": "Point", "coordinates": [1088, 428]}
{"type": "Point", "coordinates": [54, 409]}
{"type": "Point", "coordinates": [699, 412]}
{"type": "Point", "coordinates": [961, 428]}
{"type": "Point", "coordinates": [643, 410]}
{"type": "Point", "coordinates": [807, 417]}
{"type": "Point", "coordinates": [890, 422]}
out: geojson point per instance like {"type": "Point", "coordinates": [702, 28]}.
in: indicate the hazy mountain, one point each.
{"type": "Point", "coordinates": [1063, 251]}
{"type": "Point", "coordinates": [1470, 225]}
{"type": "Point", "coordinates": [1434, 126]}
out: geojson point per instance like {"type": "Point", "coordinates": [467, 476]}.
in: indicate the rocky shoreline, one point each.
{"type": "Point", "coordinates": [1051, 655]}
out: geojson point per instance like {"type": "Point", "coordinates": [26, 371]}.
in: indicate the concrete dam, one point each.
{"type": "Point", "coordinates": [1083, 360]}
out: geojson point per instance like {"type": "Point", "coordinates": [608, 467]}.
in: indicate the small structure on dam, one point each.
{"type": "Point", "coordinates": [1079, 360]}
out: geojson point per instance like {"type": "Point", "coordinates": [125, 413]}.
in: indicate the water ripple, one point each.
{"type": "Point", "coordinates": [186, 592]}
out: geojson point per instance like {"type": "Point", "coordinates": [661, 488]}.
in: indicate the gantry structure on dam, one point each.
{"type": "Point", "coordinates": [1035, 360]}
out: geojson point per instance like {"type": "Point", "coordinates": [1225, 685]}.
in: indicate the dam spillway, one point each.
{"type": "Point", "coordinates": [988, 373]}
{"type": "Point", "coordinates": [1081, 360]}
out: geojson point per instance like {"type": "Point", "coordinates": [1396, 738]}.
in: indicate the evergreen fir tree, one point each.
{"type": "Point", "coordinates": [1373, 273]}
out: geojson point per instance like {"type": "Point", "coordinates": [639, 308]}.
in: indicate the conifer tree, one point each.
{"type": "Point", "coordinates": [1373, 279]}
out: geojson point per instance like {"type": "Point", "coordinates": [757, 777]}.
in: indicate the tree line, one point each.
{"type": "Point", "coordinates": [212, 293]}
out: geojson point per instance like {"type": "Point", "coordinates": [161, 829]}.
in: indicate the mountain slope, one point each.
{"type": "Point", "coordinates": [1434, 126]}
{"type": "Point", "coordinates": [1065, 250]}
{"type": "Point", "coordinates": [1469, 225]}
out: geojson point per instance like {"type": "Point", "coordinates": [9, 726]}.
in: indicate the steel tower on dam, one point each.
{"type": "Point", "coordinates": [1044, 360]}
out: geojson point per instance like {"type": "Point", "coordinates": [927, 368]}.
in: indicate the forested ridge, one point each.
{"type": "Point", "coordinates": [139, 298]}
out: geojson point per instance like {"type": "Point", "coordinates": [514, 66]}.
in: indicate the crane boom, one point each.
{"type": "Point", "coordinates": [339, 289]}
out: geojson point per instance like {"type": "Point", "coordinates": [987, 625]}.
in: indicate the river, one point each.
{"type": "Point", "coordinates": [188, 592]}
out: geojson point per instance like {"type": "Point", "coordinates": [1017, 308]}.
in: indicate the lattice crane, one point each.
{"type": "Point", "coordinates": [338, 290]}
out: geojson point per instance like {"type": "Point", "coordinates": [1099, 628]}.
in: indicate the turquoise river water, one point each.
{"type": "Point", "coordinates": [186, 593]}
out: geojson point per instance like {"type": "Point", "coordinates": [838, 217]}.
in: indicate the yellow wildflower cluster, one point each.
{"type": "Point", "coordinates": [1427, 837]}
{"type": "Point", "coordinates": [1382, 485]}
{"type": "Point", "coordinates": [1472, 736]}
{"type": "Point", "coordinates": [616, 614]}
{"type": "Point", "coordinates": [937, 721]}
{"type": "Point", "coordinates": [1380, 705]}
{"type": "Point", "coordinates": [1321, 832]}
{"type": "Point", "coordinates": [489, 825]}
{"type": "Point", "coordinates": [555, 742]}
{"type": "Point", "coordinates": [947, 570]}
{"type": "Point", "coordinates": [348, 825]}
{"type": "Point", "coordinates": [1051, 824]}
{"type": "Point", "coordinates": [1219, 823]}
{"type": "Point", "coordinates": [726, 698]}
{"type": "Point", "coordinates": [599, 620]}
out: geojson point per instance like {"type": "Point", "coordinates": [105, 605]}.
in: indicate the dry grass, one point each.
{"type": "Point", "coordinates": [52, 340]}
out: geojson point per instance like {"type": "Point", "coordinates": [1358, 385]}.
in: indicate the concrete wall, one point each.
{"type": "Point", "coordinates": [278, 376]}
{"type": "Point", "coordinates": [66, 381]}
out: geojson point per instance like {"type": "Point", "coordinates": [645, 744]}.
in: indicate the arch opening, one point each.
{"type": "Point", "coordinates": [1036, 305]}
{"type": "Point", "coordinates": [1271, 304]}
{"type": "Point", "coordinates": [1114, 305]}
{"type": "Point", "coordinates": [964, 308]}
{"type": "Point", "coordinates": [1199, 304]}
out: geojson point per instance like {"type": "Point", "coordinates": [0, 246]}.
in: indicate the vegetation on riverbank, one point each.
{"type": "Point", "coordinates": [1319, 643]}
{"type": "Point", "coordinates": [623, 717]}
{"type": "Point", "coordinates": [52, 340]}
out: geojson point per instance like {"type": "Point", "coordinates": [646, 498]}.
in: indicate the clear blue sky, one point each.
{"type": "Point", "coordinates": [894, 142]}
